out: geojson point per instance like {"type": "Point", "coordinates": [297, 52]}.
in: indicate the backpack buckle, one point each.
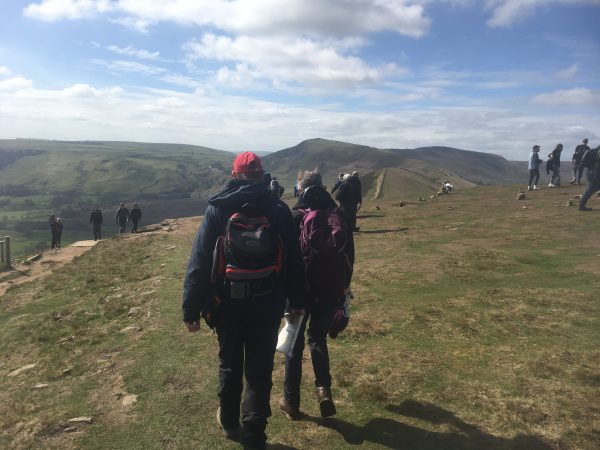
{"type": "Point", "coordinates": [240, 290]}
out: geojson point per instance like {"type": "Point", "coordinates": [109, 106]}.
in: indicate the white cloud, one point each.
{"type": "Point", "coordinates": [568, 73]}
{"type": "Point", "coordinates": [4, 71]}
{"type": "Point", "coordinates": [235, 123]}
{"type": "Point", "coordinates": [15, 84]}
{"type": "Point", "coordinates": [129, 66]}
{"type": "Point", "coordinates": [53, 10]}
{"type": "Point", "coordinates": [294, 60]}
{"type": "Point", "coordinates": [337, 17]}
{"type": "Point", "coordinates": [135, 52]}
{"type": "Point", "coordinates": [85, 90]}
{"type": "Point", "coordinates": [582, 97]}
{"type": "Point", "coordinates": [506, 12]}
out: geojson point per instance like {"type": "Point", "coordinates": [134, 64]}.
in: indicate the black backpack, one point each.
{"type": "Point", "coordinates": [247, 257]}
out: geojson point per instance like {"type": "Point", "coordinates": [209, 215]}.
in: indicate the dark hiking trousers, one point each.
{"type": "Point", "coordinates": [555, 176]}
{"type": "Point", "coordinates": [534, 176]}
{"type": "Point", "coordinates": [55, 240]}
{"type": "Point", "coordinates": [577, 172]}
{"type": "Point", "coordinates": [593, 186]}
{"type": "Point", "coordinates": [320, 316]}
{"type": "Point", "coordinates": [122, 226]}
{"type": "Point", "coordinates": [350, 211]}
{"type": "Point", "coordinates": [97, 230]}
{"type": "Point", "coordinates": [134, 226]}
{"type": "Point", "coordinates": [247, 331]}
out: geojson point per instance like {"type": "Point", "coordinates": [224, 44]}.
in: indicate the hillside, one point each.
{"type": "Point", "coordinates": [463, 336]}
{"type": "Point", "coordinates": [332, 157]}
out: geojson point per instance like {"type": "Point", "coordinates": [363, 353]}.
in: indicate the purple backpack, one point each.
{"type": "Point", "coordinates": [323, 241]}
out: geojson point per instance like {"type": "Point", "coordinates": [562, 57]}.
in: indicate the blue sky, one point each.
{"type": "Point", "coordinates": [489, 75]}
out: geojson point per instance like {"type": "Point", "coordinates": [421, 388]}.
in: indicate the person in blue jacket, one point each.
{"type": "Point", "coordinates": [534, 168]}
{"type": "Point", "coordinates": [247, 321]}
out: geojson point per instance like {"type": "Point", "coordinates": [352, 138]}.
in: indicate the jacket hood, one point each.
{"type": "Point", "coordinates": [239, 192]}
{"type": "Point", "coordinates": [315, 197]}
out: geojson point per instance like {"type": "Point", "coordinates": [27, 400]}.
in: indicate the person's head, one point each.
{"type": "Point", "coordinates": [559, 147]}
{"type": "Point", "coordinates": [355, 174]}
{"type": "Point", "coordinates": [585, 141]}
{"type": "Point", "coordinates": [247, 166]}
{"type": "Point", "coordinates": [97, 208]}
{"type": "Point", "coordinates": [536, 148]}
{"type": "Point", "coordinates": [341, 175]}
{"type": "Point", "coordinates": [135, 205]}
{"type": "Point", "coordinates": [310, 179]}
{"type": "Point", "coordinates": [346, 176]}
{"type": "Point", "coordinates": [122, 205]}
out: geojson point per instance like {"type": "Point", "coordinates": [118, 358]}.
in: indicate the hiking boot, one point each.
{"type": "Point", "coordinates": [550, 185]}
{"type": "Point", "coordinates": [529, 188]}
{"type": "Point", "coordinates": [290, 411]}
{"type": "Point", "coordinates": [572, 181]}
{"type": "Point", "coordinates": [584, 208]}
{"type": "Point", "coordinates": [230, 433]}
{"type": "Point", "coordinates": [326, 404]}
{"type": "Point", "coordinates": [535, 188]}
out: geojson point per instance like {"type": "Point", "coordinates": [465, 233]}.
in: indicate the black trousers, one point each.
{"type": "Point", "coordinates": [97, 230]}
{"type": "Point", "coordinates": [592, 186]}
{"type": "Point", "coordinates": [318, 319]}
{"type": "Point", "coordinates": [350, 211]}
{"type": "Point", "coordinates": [134, 226]}
{"type": "Point", "coordinates": [55, 240]}
{"type": "Point", "coordinates": [534, 176]}
{"type": "Point", "coordinates": [247, 332]}
{"type": "Point", "coordinates": [122, 227]}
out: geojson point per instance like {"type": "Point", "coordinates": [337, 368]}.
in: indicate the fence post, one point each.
{"type": "Point", "coordinates": [7, 250]}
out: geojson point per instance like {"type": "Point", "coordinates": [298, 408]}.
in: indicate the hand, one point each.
{"type": "Point", "coordinates": [193, 326]}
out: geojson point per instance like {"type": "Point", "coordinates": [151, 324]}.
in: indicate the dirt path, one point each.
{"type": "Point", "coordinates": [51, 260]}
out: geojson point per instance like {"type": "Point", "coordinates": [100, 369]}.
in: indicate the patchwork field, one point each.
{"type": "Point", "coordinates": [475, 326]}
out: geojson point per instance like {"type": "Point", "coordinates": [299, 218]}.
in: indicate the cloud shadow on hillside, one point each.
{"type": "Point", "coordinates": [395, 230]}
{"type": "Point", "coordinates": [393, 434]}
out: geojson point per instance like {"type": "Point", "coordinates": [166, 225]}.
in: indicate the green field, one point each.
{"type": "Point", "coordinates": [475, 326]}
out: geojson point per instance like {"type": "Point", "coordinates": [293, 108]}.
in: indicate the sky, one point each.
{"type": "Point", "coordinates": [495, 76]}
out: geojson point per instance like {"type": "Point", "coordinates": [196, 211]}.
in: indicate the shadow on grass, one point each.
{"type": "Point", "coordinates": [369, 216]}
{"type": "Point", "coordinates": [397, 230]}
{"type": "Point", "coordinates": [397, 435]}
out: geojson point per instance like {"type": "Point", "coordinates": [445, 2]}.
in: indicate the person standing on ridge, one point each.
{"type": "Point", "coordinates": [576, 161]}
{"type": "Point", "coordinates": [328, 251]}
{"type": "Point", "coordinates": [555, 166]}
{"type": "Point", "coordinates": [135, 216]}
{"type": "Point", "coordinates": [276, 188]}
{"type": "Point", "coordinates": [96, 223]}
{"type": "Point", "coordinates": [245, 262]}
{"type": "Point", "coordinates": [121, 217]}
{"type": "Point", "coordinates": [55, 231]}
{"type": "Point", "coordinates": [591, 160]}
{"type": "Point", "coordinates": [534, 168]}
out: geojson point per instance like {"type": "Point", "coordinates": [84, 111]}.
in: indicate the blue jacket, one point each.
{"type": "Point", "coordinates": [197, 293]}
{"type": "Point", "coordinates": [534, 161]}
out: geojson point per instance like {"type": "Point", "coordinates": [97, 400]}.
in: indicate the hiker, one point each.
{"type": "Point", "coordinates": [135, 216]}
{"type": "Point", "coordinates": [328, 251]}
{"type": "Point", "coordinates": [534, 168]}
{"type": "Point", "coordinates": [338, 183]}
{"type": "Point", "coordinates": [96, 223]}
{"type": "Point", "coordinates": [576, 161]}
{"type": "Point", "coordinates": [350, 197]}
{"type": "Point", "coordinates": [55, 230]}
{"type": "Point", "coordinates": [591, 160]}
{"type": "Point", "coordinates": [554, 166]}
{"type": "Point", "coordinates": [242, 295]}
{"type": "Point", "coordinates": [275, 188]}
{"type": "Point", "coordinates": [121, 217]}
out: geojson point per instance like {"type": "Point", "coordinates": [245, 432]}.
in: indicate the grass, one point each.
{"type": "Point", "coordinates": [475, 327]}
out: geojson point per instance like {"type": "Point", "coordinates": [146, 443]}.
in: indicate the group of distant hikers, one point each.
{"type": "Point", "coordinates": [583, 157]}
{"type": "Point", "coordinates": [122, 217]}
{"type": "Point", "coordinates": [254, 259]}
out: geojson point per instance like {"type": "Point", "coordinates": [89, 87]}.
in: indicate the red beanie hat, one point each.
{"type": "Point", "coordinates": [247, 163]}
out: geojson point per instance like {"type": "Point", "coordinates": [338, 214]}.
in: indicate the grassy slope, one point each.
{"type": "Point", "coordinates": [475, 326]}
